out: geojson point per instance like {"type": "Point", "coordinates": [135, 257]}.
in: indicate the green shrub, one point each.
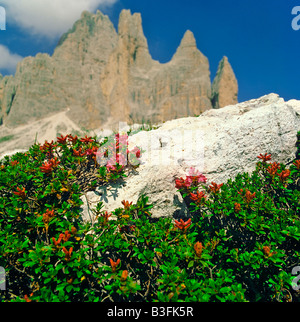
{"type": "Point", "coordinates": [240, 244]}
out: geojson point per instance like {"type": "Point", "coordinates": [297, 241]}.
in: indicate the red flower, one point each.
{"type": "Point", "coordinates": [248, 195]}
{"type": "Point", "coordinates": [265, 158]}
{"type": "Point", "coordinates": [47, 216]}
{"type": "Point", "coordinates": [48, 147]}
{"type": "Point", "coordinates": [237, 207]}
{"type": "Point", "coordinates": [73, 230]}
{"type": "Point", "coordinates": [136, 151]}
{"type": "Point", "coordinates": [214, 188]}
{"type": "Point", "coordinates": [198, 249]}
{"type": "Point", "coordinates": [62, 139]}
{"type": "Point", "coordinates": [126, 204]}
{"type": "Point", "coordinates": [106, 216]}
{"type": "Point", "coordinates": [110, 167]}
{"type": "Point", "coordinates": [68, 253]}
{"type": "Point", "coordinates": [124, 276]}
{"type": "Point", "coordinates": [114, 264]}
{"type": "Point", "coordinates": [73, 139]}
{"type": "Point", "coordinates": [27, 299]}
{"type": "Point", "coordinates": [182, 184]}
{"type": "Point", "coordinates": [87, 139]}
{"type": "Point", "coordinates": [183, 225]}
{"type": "Point", "coordinates": [198, 198]}
{"type": "Point", "coordinates": [297, 164]}
{"type": "Point", "coordinates": [66, 236]}
{"type": "Point", "coordinates": [48, 166]}
{"type": "Point", "coordinates": [21, 193]}
{"type": "Point", "coordinates": [266, 250]}
{"type": "Point", "coordinates": [13, 163]}
{"type": "Point", "coordinates": [56, 243]}
{"type": "Point", "coordinates": [92, 151]}
{"type": "Point", "coordinates": [273, 168]}
{"type": "Point", "coordinates": [79, 153]}
{"type": "Point", "coordinates": [284, 175]}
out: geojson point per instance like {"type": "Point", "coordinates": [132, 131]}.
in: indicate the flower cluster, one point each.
{"type": "Point", "coordinates": [114, 264]}
{"type": "Point", "coordinates": [48, 147]}
{"type": "Point", "coordinates": [266, 157]}
{"type": "Point", "coordinates": [48, 166]}
{"type": "Point", "coordinates": [273, 168]}
{"type": "Point", "coordinates": [21, 192]}
{"type": "Point", "coordinates": [215, 188]}
{"type": "Point", "coordinates": [284, 175]}
{"type": "Point", "coordinates": [193, 179]}
{"type": "Point", "coordinates": [183, 225]}
{"type": "Point", "coordinates": [198, 249]}
{"type": "Point", "coordinates": [47, 216]}
{"type": "Point", "coordinates": [247, 195]}
{"type": "Point", "coordinates": [62, 237]}
{"type": "Point", "coordinates": [198, 197]}
{"type": "Point", "coordinates": [68, 253]}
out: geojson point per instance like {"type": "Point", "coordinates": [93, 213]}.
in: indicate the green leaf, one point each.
{"type": "Point", "coordinates": [191, 264]}
{"type": "Point", "coordinates": [225, 289]}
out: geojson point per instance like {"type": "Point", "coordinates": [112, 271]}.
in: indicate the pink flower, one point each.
{"type": "Point", "coordinates": [195, 176]}
{"type": "Point", "coordinates": [110, 167]}
{"type": "Point", "coordinates": [193, 172]}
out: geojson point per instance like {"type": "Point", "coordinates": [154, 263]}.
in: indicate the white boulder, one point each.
{"type": "Point", "coordinates": [220, 143]}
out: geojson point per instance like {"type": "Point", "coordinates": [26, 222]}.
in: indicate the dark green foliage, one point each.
{"type": "Point", "coordinates": [241, 244]}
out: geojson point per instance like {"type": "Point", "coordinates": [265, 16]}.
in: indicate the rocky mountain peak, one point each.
{"type": "Point", "coordinates": [225, 86]}
{"type": "Point", "coordinates": [99, 76]}
{"type": "Point", "coordinates": [188, 40]}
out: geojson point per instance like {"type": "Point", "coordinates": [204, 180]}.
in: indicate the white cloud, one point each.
{"type": "Point", "coordinates": [8, 60]}
{"type": "Point", "coordinates": [49, 18]}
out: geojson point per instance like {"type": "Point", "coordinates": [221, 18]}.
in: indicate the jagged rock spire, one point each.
{"type": "Point", "coordinates": [100, 76]}
{"type": "Point", "coordinates": [225, 85]}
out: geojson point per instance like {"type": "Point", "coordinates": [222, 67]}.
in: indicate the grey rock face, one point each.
{"type": "Point", "coordinates": [102, 77]}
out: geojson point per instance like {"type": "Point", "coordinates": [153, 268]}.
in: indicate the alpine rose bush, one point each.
{"type": "Point", "coordinates": [240, 242]}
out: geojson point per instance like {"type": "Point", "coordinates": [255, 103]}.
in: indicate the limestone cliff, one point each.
{"type": "Point", "coordinates": [100, 76]}
{"type": "Point", "coordinates": [225, 86]}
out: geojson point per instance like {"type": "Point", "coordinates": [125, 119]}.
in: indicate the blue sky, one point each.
{"type": "Point", "coordinates": [256, 36]}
